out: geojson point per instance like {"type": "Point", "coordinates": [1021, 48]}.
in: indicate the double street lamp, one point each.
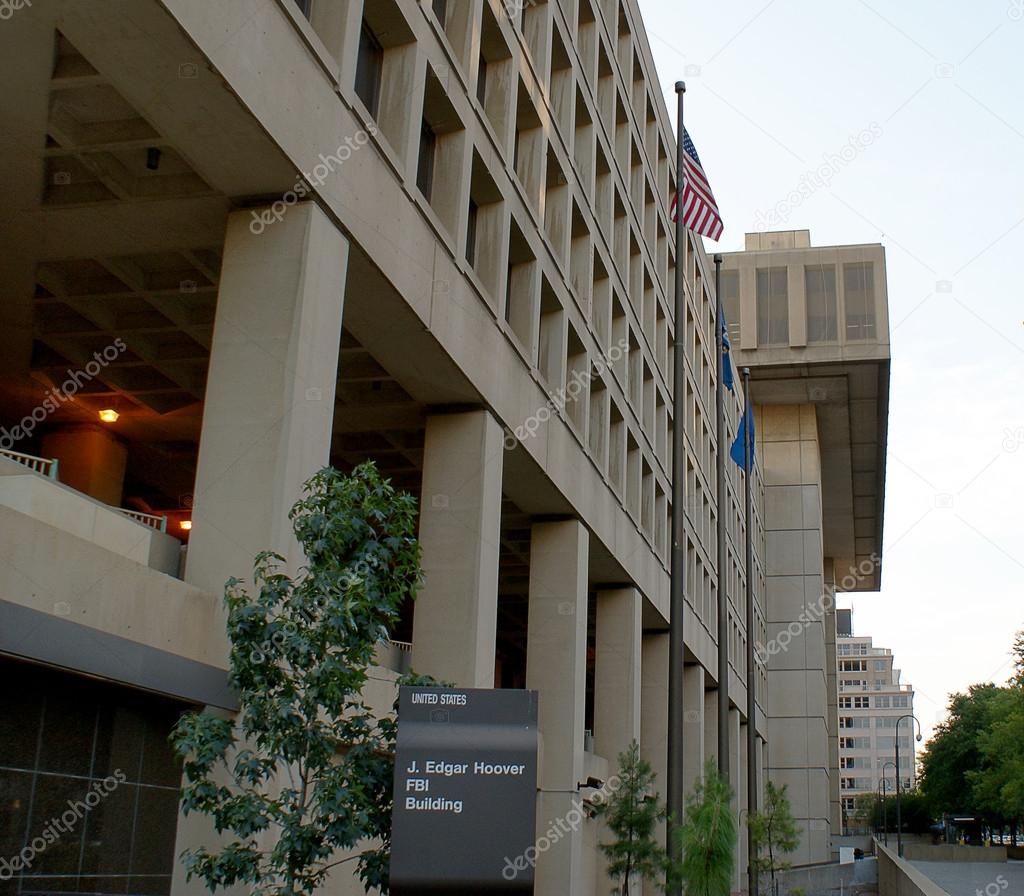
{"type": "Point", "coordinates": [899, 820]}
{"type": "Point", "coordinates": [885, 807]}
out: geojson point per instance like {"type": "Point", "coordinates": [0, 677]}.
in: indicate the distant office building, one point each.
{"type": "Point", "coordinates": [872, 698]}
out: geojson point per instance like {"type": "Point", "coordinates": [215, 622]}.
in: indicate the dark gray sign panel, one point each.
{"type": "Point", "coordinates": [465, 791]}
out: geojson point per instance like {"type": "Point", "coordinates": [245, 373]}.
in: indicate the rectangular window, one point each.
{"type": "Point", "coordinates": [822, 304]}
{"type": "Point", "coordinates": [369, 64]}
{"type": "Point", "coordinates": [772, 307]}
{"type": "Point", "coordinates": [471, 233]}
{"type": "Point", "coordinates": [879, 665]}
{"type": "Point", "coordinates": [859, 289]}
{"type": "Point", "coordinates": [860, 702]}
{"type": "Point", "coordinates": [731, 305]}
{"type": "Point", "coordinates": [881, 702]}
{"type": "Point", "coordinates": [425, 163]}
{"type": "Point", "coordinates": [481, 81]}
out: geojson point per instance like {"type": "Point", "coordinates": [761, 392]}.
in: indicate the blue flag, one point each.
{"type": "Point", "coordinates": [736, 452]}
{"type": "Point", "coordinates": [727, 377]}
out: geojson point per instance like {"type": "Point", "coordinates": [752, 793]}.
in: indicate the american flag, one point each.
{"type": "Point", "coordinates": [700, 212]}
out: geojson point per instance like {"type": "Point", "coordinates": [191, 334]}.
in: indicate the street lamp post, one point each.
{"type": "Point", "coordinates": [899, 818]}
{"type": "Point", "coordinates": [885, 808]}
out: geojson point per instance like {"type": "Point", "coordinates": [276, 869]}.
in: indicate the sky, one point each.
{"type": "Point", "coordinates": [931, 95]}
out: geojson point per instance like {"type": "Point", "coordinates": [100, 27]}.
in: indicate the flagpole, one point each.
{"type": "Point", "coordinates": [751, 680]}
{"type": "Point", "coordinates": [723, 577]}
{"type": "Point", "coordinates": [677, 603]}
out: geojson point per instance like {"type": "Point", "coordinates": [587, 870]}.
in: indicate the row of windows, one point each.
{"type": "Point", "coordinates": [822, 304]}
{"type": "Point", "coordinates": [879, 702]}
{"type": "Point", "coordinates": [882, 742]}
{"type": "Point", "coordinates": [867, 722]}
{"type": "Point", "coordinates": [861, 684]}
{"type": "Point", "coordinates": [871, 784]}
{"type": "Point", "coordinates": [616, 269]}
{"type": "Point", "coordinates": [853, 649]}
{"type": "Point", "coordinates": [537, 319]}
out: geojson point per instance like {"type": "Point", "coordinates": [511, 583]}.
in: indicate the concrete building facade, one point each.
{"type": "Point", "coordinates": [245, 240]}
{"type": "Point", "coordinates": [872, 700]}
{"type": "Point", "coordinates": [811, 324]}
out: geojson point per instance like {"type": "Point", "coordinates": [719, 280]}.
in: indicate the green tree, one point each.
{"type": "Point", "coordinates": [864, 810]}
{"type": "Point", "coordinates": [305, 770]}
{"type": "Point", "coordinates": [774, 832]}
{"type": "Point", "coordinates": [955, 750]}
{"type": "Point", "coordinates": [998, 784]}
{"type": "Point", "coordinates": [707, 837]}
{"type": "Point", "coordinates": [632, 813]}
{"type": "Point", "coordinates": [975, 760]}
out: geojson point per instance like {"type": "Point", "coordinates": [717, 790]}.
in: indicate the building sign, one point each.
{"type": "Point", "coordinates": [465, 790]}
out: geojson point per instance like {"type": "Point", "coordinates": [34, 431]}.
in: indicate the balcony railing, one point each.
{"type": "Point", "coordinates": [46, 466]}
{"type": "Point", "coordinates": [146, 519]}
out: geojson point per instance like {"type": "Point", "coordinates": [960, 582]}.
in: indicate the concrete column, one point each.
{"type": "Point", "coordinates": [695, 726]}
{"type": "Point", "coordinates": [556, 667]}
{"type": "Point", "coordinates": [654, 710]}
{"type": "Point", "coordinates": [92, 460]}
{"type": "Point", "coordinates": [269, 403]}
{"type": "Point", "coordinates": [797, 604]}
{"type": "Point", "coordinates": [832, 690]}
{"type": "Point", "coordinates": [460, 527]}
{"type": "Point", "coordinates": [617, 671]}
{"type": "Point", "coordinates": [710, 726]}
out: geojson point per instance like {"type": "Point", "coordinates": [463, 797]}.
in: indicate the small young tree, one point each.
{"type": "Point", "coordinates": [305, 770]}
{"type": "Point", "coordinates": [632, 813]}
{"type": "Point", "coordinates": [865, 808]}
{"type": "Point", "coordinates": [775, 833]}
{"type": "Point", "coordinates": [707, 837]}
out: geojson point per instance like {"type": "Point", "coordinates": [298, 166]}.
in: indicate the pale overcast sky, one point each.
{"type": "Point", "coordinates": [772, 89]}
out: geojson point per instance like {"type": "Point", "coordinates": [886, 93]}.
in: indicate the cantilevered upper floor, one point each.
{"type": "Point", "coordinates": [812, 324]}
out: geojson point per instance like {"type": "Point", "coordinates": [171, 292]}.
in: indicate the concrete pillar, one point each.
{"type": "Point", "coordinates": [617, 674]}
{"type": "Point", "coordinates": [269, 405]}
{"type": "Point", "coordinates": [654, 710]}
{"type": "Point", "coordinates": [92, 460]}
{"type": "Point", "coordinates": [460, 527]}
{"type": "Point", "coordinates": [797, 605]}
{"type": "Point", "coordinates": [710, 725]}
{"type": "Point", "coordinates": [556, 667]}
{"type": "Point", "coordinates": [695, 726]}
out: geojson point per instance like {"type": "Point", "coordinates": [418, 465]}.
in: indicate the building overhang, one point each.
{"type": "Point", "coordinates": [851, 402]}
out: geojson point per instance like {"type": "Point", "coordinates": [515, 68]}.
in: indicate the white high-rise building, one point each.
{"type": "Point", "coordinates": [872, 700]}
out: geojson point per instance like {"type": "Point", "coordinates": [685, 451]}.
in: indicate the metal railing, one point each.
{"type": "Point", "coordinates": [45, 466]}
{"type": "Point", "coordinates": [146, 519]}
{"type": "Point", "coordinates": [48, 466]}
